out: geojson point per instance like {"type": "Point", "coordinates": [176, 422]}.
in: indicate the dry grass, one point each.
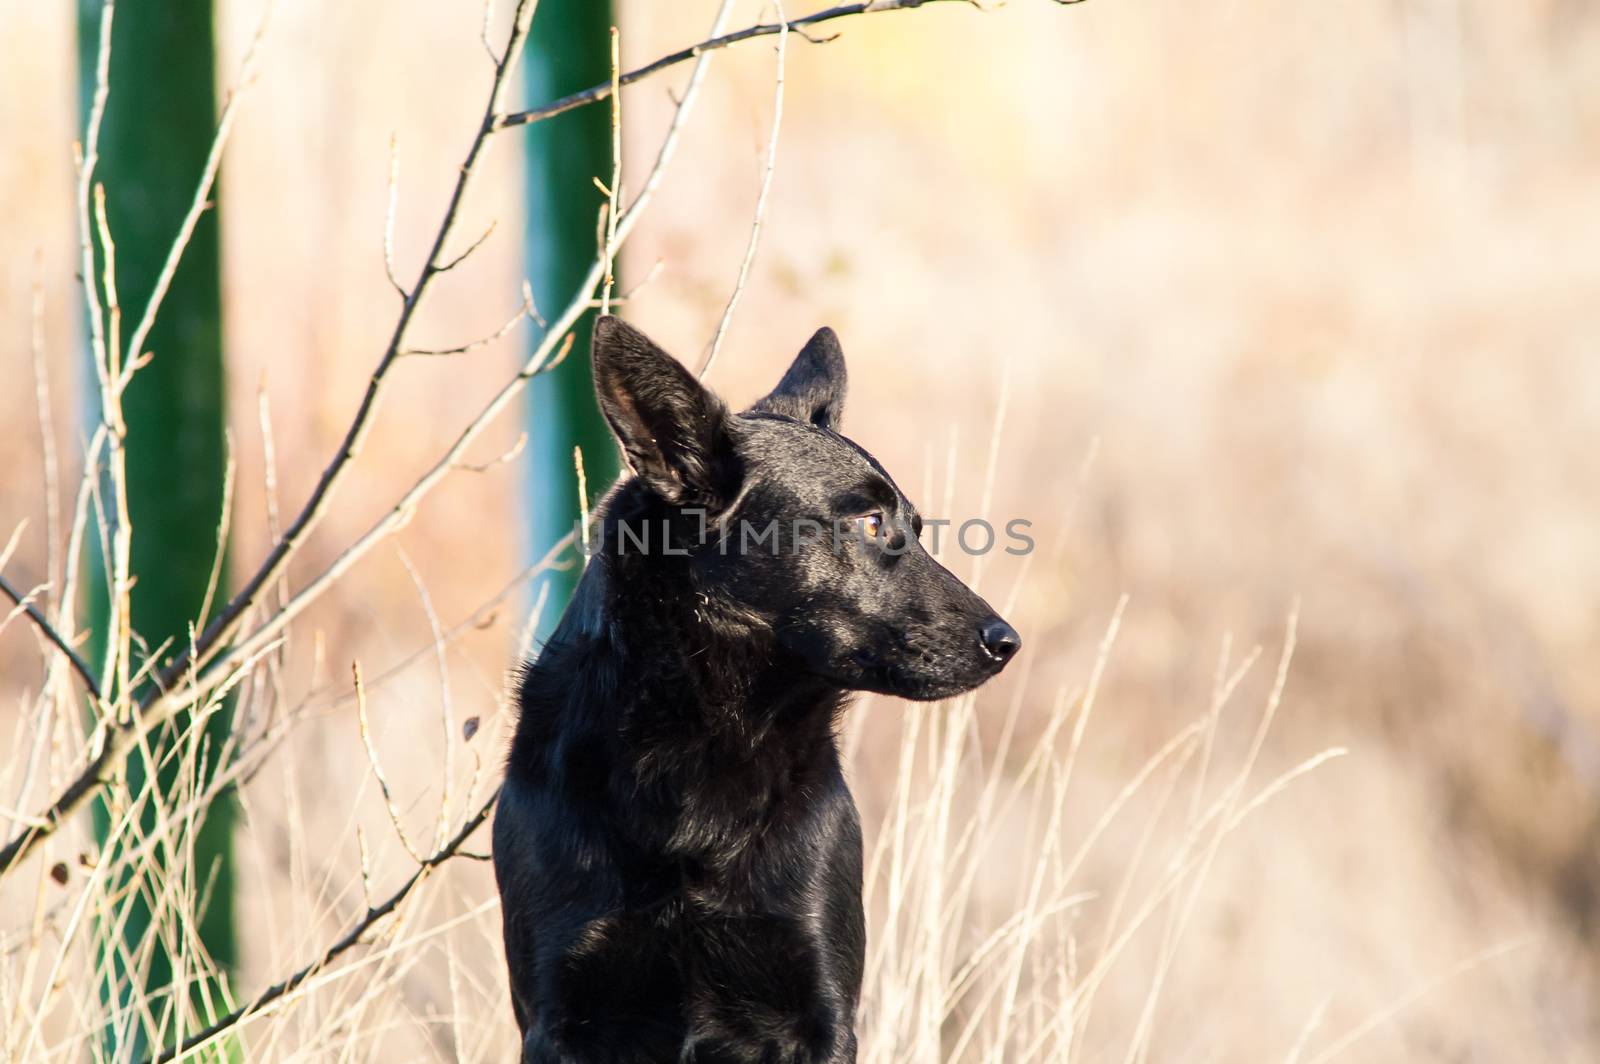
{"type": "Point", "coordinates": [1259, 304]}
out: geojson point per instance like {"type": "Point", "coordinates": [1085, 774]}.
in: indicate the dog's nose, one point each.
{"type": "Point", "coordinates": [1000, 640]}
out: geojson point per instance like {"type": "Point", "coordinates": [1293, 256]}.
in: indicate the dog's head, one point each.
{"type": "Point", "coordinates": [802, 528]}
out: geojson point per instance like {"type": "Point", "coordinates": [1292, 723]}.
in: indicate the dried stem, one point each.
{"type": "Point", "coordinates": [614, 192]}
{"type": "Point", "coordinates": [761, 202]}
{"type": "Point", "coordinates": [347, 941]}
{"type": "Point", "coordinates": [389, 803]}
{"type": "Point", "coordinates": [119, 639]}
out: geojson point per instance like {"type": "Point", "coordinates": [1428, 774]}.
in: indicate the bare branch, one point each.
{"type": "Point", "coordinates": [211, 662]}
{"type": "Point", "coordinates": [614, 193]}
{"type": "Point", "coordinates": [347, 941]}
{"type": "Point", "coordinates": [316, 506]}
{"type": "Point", "coordinates": [601, 91]}
{"type": "Point", "coordinates": [48, 630]}
{"type": "Point", "coordinates": [813, 39]}
{"type": "Point", "coordinates": [400, 514]}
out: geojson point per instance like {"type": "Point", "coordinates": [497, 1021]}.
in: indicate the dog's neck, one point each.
{"type": "Point", "coordinates": [700, 724]}
{"type": "Point", "coordinates": [712, 672]}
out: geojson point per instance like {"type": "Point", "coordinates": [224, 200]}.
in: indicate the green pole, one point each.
{"type": "Point", "coordinates": [159, 123]}
{"type": "Point", "coordinates": [569, 49]}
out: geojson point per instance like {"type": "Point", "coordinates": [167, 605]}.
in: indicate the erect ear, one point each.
{"type": "Point", "coordinates": [813, 388]}
{"type": "Point", "coordinates": [673, 431]}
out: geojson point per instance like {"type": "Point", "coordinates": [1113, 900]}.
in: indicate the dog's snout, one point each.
{"type": "Point", "coordinates": [1000, 640]}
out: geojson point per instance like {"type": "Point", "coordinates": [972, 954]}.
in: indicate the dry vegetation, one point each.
{"type": "Point", "coordinates": [1244, 304]}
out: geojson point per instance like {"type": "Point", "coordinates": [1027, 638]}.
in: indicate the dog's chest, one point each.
{"type": "Point", "coordinates": [730, 975]}
{"type": "Point", "coordinates": [734, 809]}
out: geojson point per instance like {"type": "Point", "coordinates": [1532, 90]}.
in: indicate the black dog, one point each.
{"type": "Point", "coordinates": [678, 856]}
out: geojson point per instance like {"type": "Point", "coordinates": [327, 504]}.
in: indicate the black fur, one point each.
{"type": "Point", "coordinates": [679, 858]}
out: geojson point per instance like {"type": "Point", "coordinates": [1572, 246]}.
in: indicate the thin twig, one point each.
{"type": "Point", "coordinates": [524, 311]}
{"type": "Point", "coordinates": [377, 766]}
{"type": "Point", "coordinates": [614, 192]}
{"type": "Point", "coordinates": [88, 159]}
{"type": "Point", "coordinates": [389, 213]}
{"type": "Point", "coordinates": [446, 703]}
{"type": "Point", "coordinates": [474, 246]}
{"type": "Point", "coordinates": [761, 202]}
{"type": "Point", "coordinates": [583, 497]}
{"type": "Point", "coordinates": [650, 275]}
{"type": "Point", "coordinates": [488, 21]}
{"type": "Point", "coordinates": [47, 428]}
{"type": "Point", "coordinates": [201, 199]}
{"type": "Point", "coordinates": [48, 630]}
{"type": "Point", "coordinates": [505, 457]}
{"type": "Point", "coordinates": [66, 602]}
{"type": "Point", "coordinates": [119, 628]}
{"type": "Point", "coordinates": [165, 699]}
{"type": "Point", "coordinates": [224, 521]}
{"type": "Point", "coordinates": [50, 699]}
{"type": "Point", "coordinates": [347, 941]}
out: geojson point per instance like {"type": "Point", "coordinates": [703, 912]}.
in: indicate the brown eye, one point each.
{"type": "Point", "coordinates": [872, 524]}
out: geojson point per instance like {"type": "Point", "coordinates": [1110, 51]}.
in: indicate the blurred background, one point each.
{"type": "Point", "coordinates": [1244, 305]}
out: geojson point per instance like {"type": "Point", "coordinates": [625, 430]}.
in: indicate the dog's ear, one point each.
{"type": "Point", "coordinates": [813, 388]}
{"type": "Point", "coordinates": [673, 431]}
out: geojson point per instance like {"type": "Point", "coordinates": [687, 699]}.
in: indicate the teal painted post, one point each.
{"type": "Point", "coordinates": [569, 49]}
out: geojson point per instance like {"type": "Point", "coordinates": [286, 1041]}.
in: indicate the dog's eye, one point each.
{"type": "Point", "coordinates": [872, 524]}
